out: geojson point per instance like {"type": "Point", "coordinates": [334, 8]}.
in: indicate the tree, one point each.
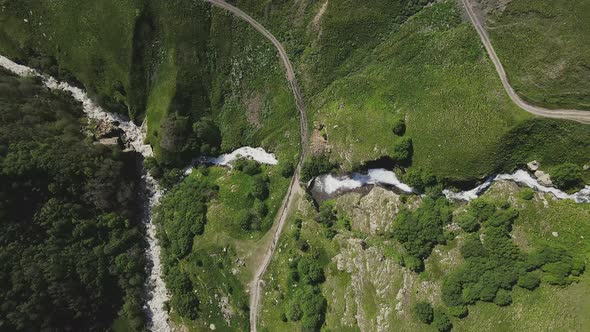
{"type": "Point", "coordinates": [71, 254]}
{"type": "Point", "coordinates": [260, 187]}
{"type": "Point", "coordinates": [468, 222]}
{"type": "Point", "coordinates": [567, 176]}
{"type": "Point", "coordinates": [529, 281]}
{"type": "Point", "coordinates": [315, 166]}
{"type": "Point", "coordinates": [399, 127]}
{"type": "Point", "coordinates": [503, 298]}
{"type": "Point", "coordinates": [310, 271]}
{"type": "Point", "coordinates": [403, 150]}
{"type": "Point", "coordinates": [441, 321]}
{"type": "Point", "coordinates": [424, 312]}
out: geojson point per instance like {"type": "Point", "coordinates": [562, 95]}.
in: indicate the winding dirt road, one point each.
{"type": "Point", "coordinates": [256, 284]}
{"type": "Point", "coordinates": [574, 115]}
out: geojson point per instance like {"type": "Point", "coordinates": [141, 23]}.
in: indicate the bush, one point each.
{"type": "Point", "coordinates": [481, 209]}
{"type": "Point", "coordinates": [399, 127]}
{"type": "Point", "coordinates": [472, 247]}
{"type": "Point", "coordinates": [294, 312]}
{"type": "Point", "coordinates": [403, 151]}
{"type": "Point", "coordinates": [567, 176]}
{"type": "Point", "coordinates": [422, 181]}
{"type": "Point", "coordinates": [247, 166]}
{"type": "Point", "coordinates": [441, 321]}
{"type": "Point", "coordinates": [459, 311]}
{"type": "Point", "coordinates": [310, 270]}
{"type": "Point", "coordinates": [527, 194]}
{"type": "Point", "coordinates": [259, 209]}
{"type": "Point", "coordinates": [315, 166]}
{"type": "Point", "coordinates": [468, 222]}
{"type": "Point", "coordinates": [287, 169]}
{"type": "Point", "coordinates": [260, 188]}
{"type": "Point", "coordinates": [423, 312]}
{"type": "Point", "coordinates": [420, 230]}
{"type": "Point", "coordinates": [503, 298]}
{"type": "Point", "coordinates": [529, 281]}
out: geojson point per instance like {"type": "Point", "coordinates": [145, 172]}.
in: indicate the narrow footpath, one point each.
{"type": "Point", "coordinates": [256, 284]}
{"type": "Point", "coordinates": [574, 115]}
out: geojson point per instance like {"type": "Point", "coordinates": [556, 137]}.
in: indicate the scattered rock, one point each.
{"type": "Point", "coordinates": [319, 140]}
{"type": "Point", "coordinates": [533, 166]}
{"type": "Point", "coordinates": [373, 212]}
{"type": "Point", "coordinates": [555, 234]}
{"type": "Point", "coordinates": [212, 327]}
{"type": "Point", "coordinates": [105, 129]}
{"type": "Point", "coordinates": [109, 141]}
{"type": "Point", "coordinates": [586, 167]}
{"type": "Point", "coordinates": [544, 179]}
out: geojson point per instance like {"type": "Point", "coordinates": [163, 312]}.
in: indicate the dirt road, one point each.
{"type": "Point", "coordinates": [256, 284]}
{"type": "Point", "coordinates": [574, 115]}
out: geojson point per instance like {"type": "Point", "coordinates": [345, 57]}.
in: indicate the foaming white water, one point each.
{"type": "Point", "coordinates": [523, 178]}
{"type": "Point", "coordinates": [135, 137]}
{"type": "Point", "coordinates": [331, 184]}
{"type": "Point", "coordinates": [256, 154]}
{"type": "Point", "coordinates": [469, 194]}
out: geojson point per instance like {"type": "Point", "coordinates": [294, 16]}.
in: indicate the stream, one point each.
{"type": "Point", "coordinates": [323, 187]}
{"type": "Point", "coordinates": [328, 186]}
{"type": "Point", "coordinates": [157, 294]}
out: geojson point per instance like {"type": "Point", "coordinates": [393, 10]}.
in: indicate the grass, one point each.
{"type": "Point", "coordinates": [544, 46]}
{"type": "Point", "coordinates": [434, 72]}
{"type": "Point", "coordinates": [97, 48]}
{"type": "Point", "coordinates": [547, 308]}
{"type": "Point", "coordinates": [213, 263]}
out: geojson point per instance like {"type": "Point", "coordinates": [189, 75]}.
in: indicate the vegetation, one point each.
{"type": "Point", "coordinates": [420, 230]}
{"type": "Point", "coordinates": [544, 140]}
{"type": "Point", "coordinates": [441, 321]}
{"type": "Point", "coordinates": [306, 303]}
{"type": "Point", "coordinates": [71, 243]}
{"type": "Point", "coordinates": [567, 176]}
{"type": "Point", "coordinates": [494, 264]}
{"type": "Point", "coordinates": [545, 52]}
{"type": "Point", "coordinates": [423, 312]}
{"type": "Point", "coordinates": [314, 166]}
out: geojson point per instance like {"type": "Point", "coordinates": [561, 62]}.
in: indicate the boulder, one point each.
{"type": "Point", "coordinates": [544, 179]}
{"type": "Point", "coordinates": [108, 141]}
{"type": "Point", "coordinates": [533, 165]}
{"type": "Point", "coordinates": [105, 129]}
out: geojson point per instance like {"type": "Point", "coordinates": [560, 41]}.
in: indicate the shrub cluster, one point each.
{"type": "Point", "coordinates": [420, 230]}
{"type": "Point", "coordinates": [494, 264]}
{"type": "Point", "coordinates": [315, 166]}
{"type": "Point", "coordinates": [307, 304]}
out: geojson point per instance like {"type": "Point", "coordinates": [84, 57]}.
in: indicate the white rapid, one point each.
{"type": "Point", "coordinates": [135, 137]}
{"type": "Point", "coordinates": [331, 185]}
{"type": "Point", "coordinates": [256, 154]}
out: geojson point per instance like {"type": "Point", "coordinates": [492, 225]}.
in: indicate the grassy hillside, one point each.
{"type": "Point", "coordinates": [430, 69]}
{"type": "Point", "coordinates": [544, 46]}
{"type": "Point", "coordinates": [91, 43]}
